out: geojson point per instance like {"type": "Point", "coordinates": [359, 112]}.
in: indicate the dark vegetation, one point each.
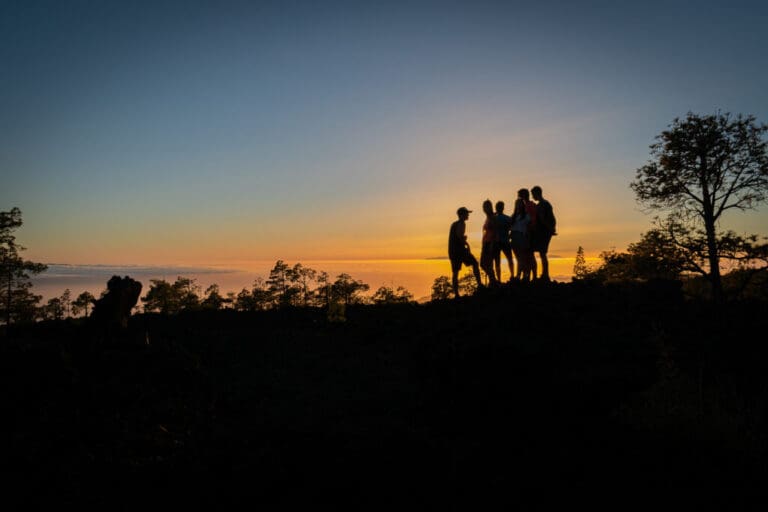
{"type": "Point", "coordinates": [524, 395]}
{"type": "Point", "coordinates": [701, 167]}
{"type": "Point", "coordinates": [644, 381]}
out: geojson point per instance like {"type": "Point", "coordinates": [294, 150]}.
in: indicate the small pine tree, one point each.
{"type": "Point", "coordinates": [580, 269]}
{"type": "Point", "coordinates": [66, 302]}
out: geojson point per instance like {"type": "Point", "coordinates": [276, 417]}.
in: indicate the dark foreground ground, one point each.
{"type": "Point", "coordinates": [526, 397]}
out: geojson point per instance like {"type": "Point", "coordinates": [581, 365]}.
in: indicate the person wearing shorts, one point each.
{"type": "Point", "coordinates": [543, 231]}
{"type": "Point", "coordinates": [490, 243]}
{"type": "Point", "coordinates": [458, 250]}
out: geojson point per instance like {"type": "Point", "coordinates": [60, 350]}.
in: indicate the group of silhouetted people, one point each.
{"type": "Point", "coordinates": [527, 231]}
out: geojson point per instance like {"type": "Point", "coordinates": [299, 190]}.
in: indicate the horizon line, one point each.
{"type": "Point", "coordinates": [261, 260]}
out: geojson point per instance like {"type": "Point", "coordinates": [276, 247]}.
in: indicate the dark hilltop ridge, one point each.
{"type": "Point", "coordinates": [525, 395]}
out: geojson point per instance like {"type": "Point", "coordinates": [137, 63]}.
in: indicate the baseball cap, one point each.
{"type": "Point", "coordinates": [463, 209]}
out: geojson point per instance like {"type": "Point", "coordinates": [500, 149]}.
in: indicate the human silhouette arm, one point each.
{"type": "Point", "coordinates": [461, 231]}
{"type": "Point", "coordinates": [547, 217]}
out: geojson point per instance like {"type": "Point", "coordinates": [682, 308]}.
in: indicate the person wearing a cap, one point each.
{"type": "Point", "coordinates": [458, 249]}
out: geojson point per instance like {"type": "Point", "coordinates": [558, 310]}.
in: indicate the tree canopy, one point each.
{"type": "Point", "coordinates": [18, 302]}
{"type": "Point", "coordinates": [701, 167]}
{"type": "Point", "coordinates": [171, 298]}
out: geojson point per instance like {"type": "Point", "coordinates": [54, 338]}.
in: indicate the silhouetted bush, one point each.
{"type": "Point", "coordinates": [114, 308]}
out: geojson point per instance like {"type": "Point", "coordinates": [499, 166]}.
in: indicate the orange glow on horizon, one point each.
{"type": "Point", "coordinates": [416, 275]}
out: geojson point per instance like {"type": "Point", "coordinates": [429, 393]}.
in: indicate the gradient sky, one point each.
{"type": "Point", "coordinates": [213, 132]}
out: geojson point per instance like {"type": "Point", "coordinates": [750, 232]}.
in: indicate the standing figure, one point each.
{"type": "Point", "coordinates": [489, 242]}
{"type": "Point", "coordinates": [543, 230]}
{"type": "Point", "coordinates": [458, 249]}
{"type": "Point", "coordinates": [520, 235]}
{"type": "Point", "coordinates": [503, 245]}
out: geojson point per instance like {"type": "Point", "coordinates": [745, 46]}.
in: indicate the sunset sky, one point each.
{"type": "Point", "coordinates": [213, 132]}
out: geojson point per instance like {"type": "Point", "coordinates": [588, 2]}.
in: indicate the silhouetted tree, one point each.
{"type": "Point", "coordinates": [656, 256]}
{"type": "Point", "coordinates": [442, 288]}
{"type": "Point", "coordinates": [322, 294]}
{"type": "Point", "coordinates": [580, 268]}
{"type": "Point", "coordinates": [171, 298]}
{"type": "Point", "coordinates": [348, 290]}
{"type": "Point", "coordinates": [82, 303]}
{"type": "Point", "coordinates": [25, 306]}
{"type": "Point", "coordinates": [66, 301]}
{"type": "Point", "coordinates": [701, 167]}
{"type": "Point", "coordinates": [160, 297]}
{"type": "Point", "coordinates": [277, 283]}
{"type": "Point", "coordinates": [387, 295]}
{"type": "Point", "coordinates": [262, 296]}
{"type": "Point", "coordinates": [615, 266]}
{"type": "Point", "coordinates": [18, 302]}
{"type": "Point", "coordinates": [244, 301]}
{"type": "Point", "coordinates": [213, 299]}
{"type": "Point", "coordinates": [188, 292]}
{"type": "Point", "coordinates": [54, 309]}
{"type": "Point", "coordinates": [747, 283]}
{"type": "Point", "coordinates": [653, 257]}
{"type": "Point", "coordinates": [301, 277]}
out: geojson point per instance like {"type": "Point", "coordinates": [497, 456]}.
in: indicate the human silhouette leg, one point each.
{"type": "Point", "coordinates": [542, 247]}
{"type": "Point", "coordinates": [486, 262]}
{"type": "Point", "coordinates": [530, 263]}
{"type": "Point", "coordinates": [476, 271]}
{"type": "Point", "coordinates": [508, 254]}
{"type": "Point", "coordinates": [544, 265]}
{"type": "Point", "coordinates": [520, 263]}
{"type": "Point", "coordinates": [455, 282]}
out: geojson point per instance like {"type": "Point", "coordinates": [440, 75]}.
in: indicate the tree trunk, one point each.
{"type": "Point", "coordinates": [8, 300]}
{"type": "Point", "coordinates": [714, 260]}
{"type": "Point", "coordinates": [713, 255]}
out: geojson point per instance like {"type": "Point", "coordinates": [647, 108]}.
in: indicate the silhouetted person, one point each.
{"type": "Point", "coordinates": [543, 230]}
{"type": "Point", "coordinates": [520, 235]}
{"type": "Point", "coordinates": [458, 249]}
{"type": "Point", "coordinates": [489, 242]}
{"type": "Point", "coordinates": [503, 243]}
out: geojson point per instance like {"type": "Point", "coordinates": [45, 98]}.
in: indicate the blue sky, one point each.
{"type": "Point", "coordinates": [202, 132]}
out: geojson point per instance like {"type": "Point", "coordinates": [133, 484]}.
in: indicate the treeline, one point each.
{"type": "Point", "coordinates": [442, 289]}
{"type": "Point", "coordinates": [286, 285]}
{"type": "Point", "coordinates": [655, 258]}
{"type": "Point", "coordinates": [64, 306]}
